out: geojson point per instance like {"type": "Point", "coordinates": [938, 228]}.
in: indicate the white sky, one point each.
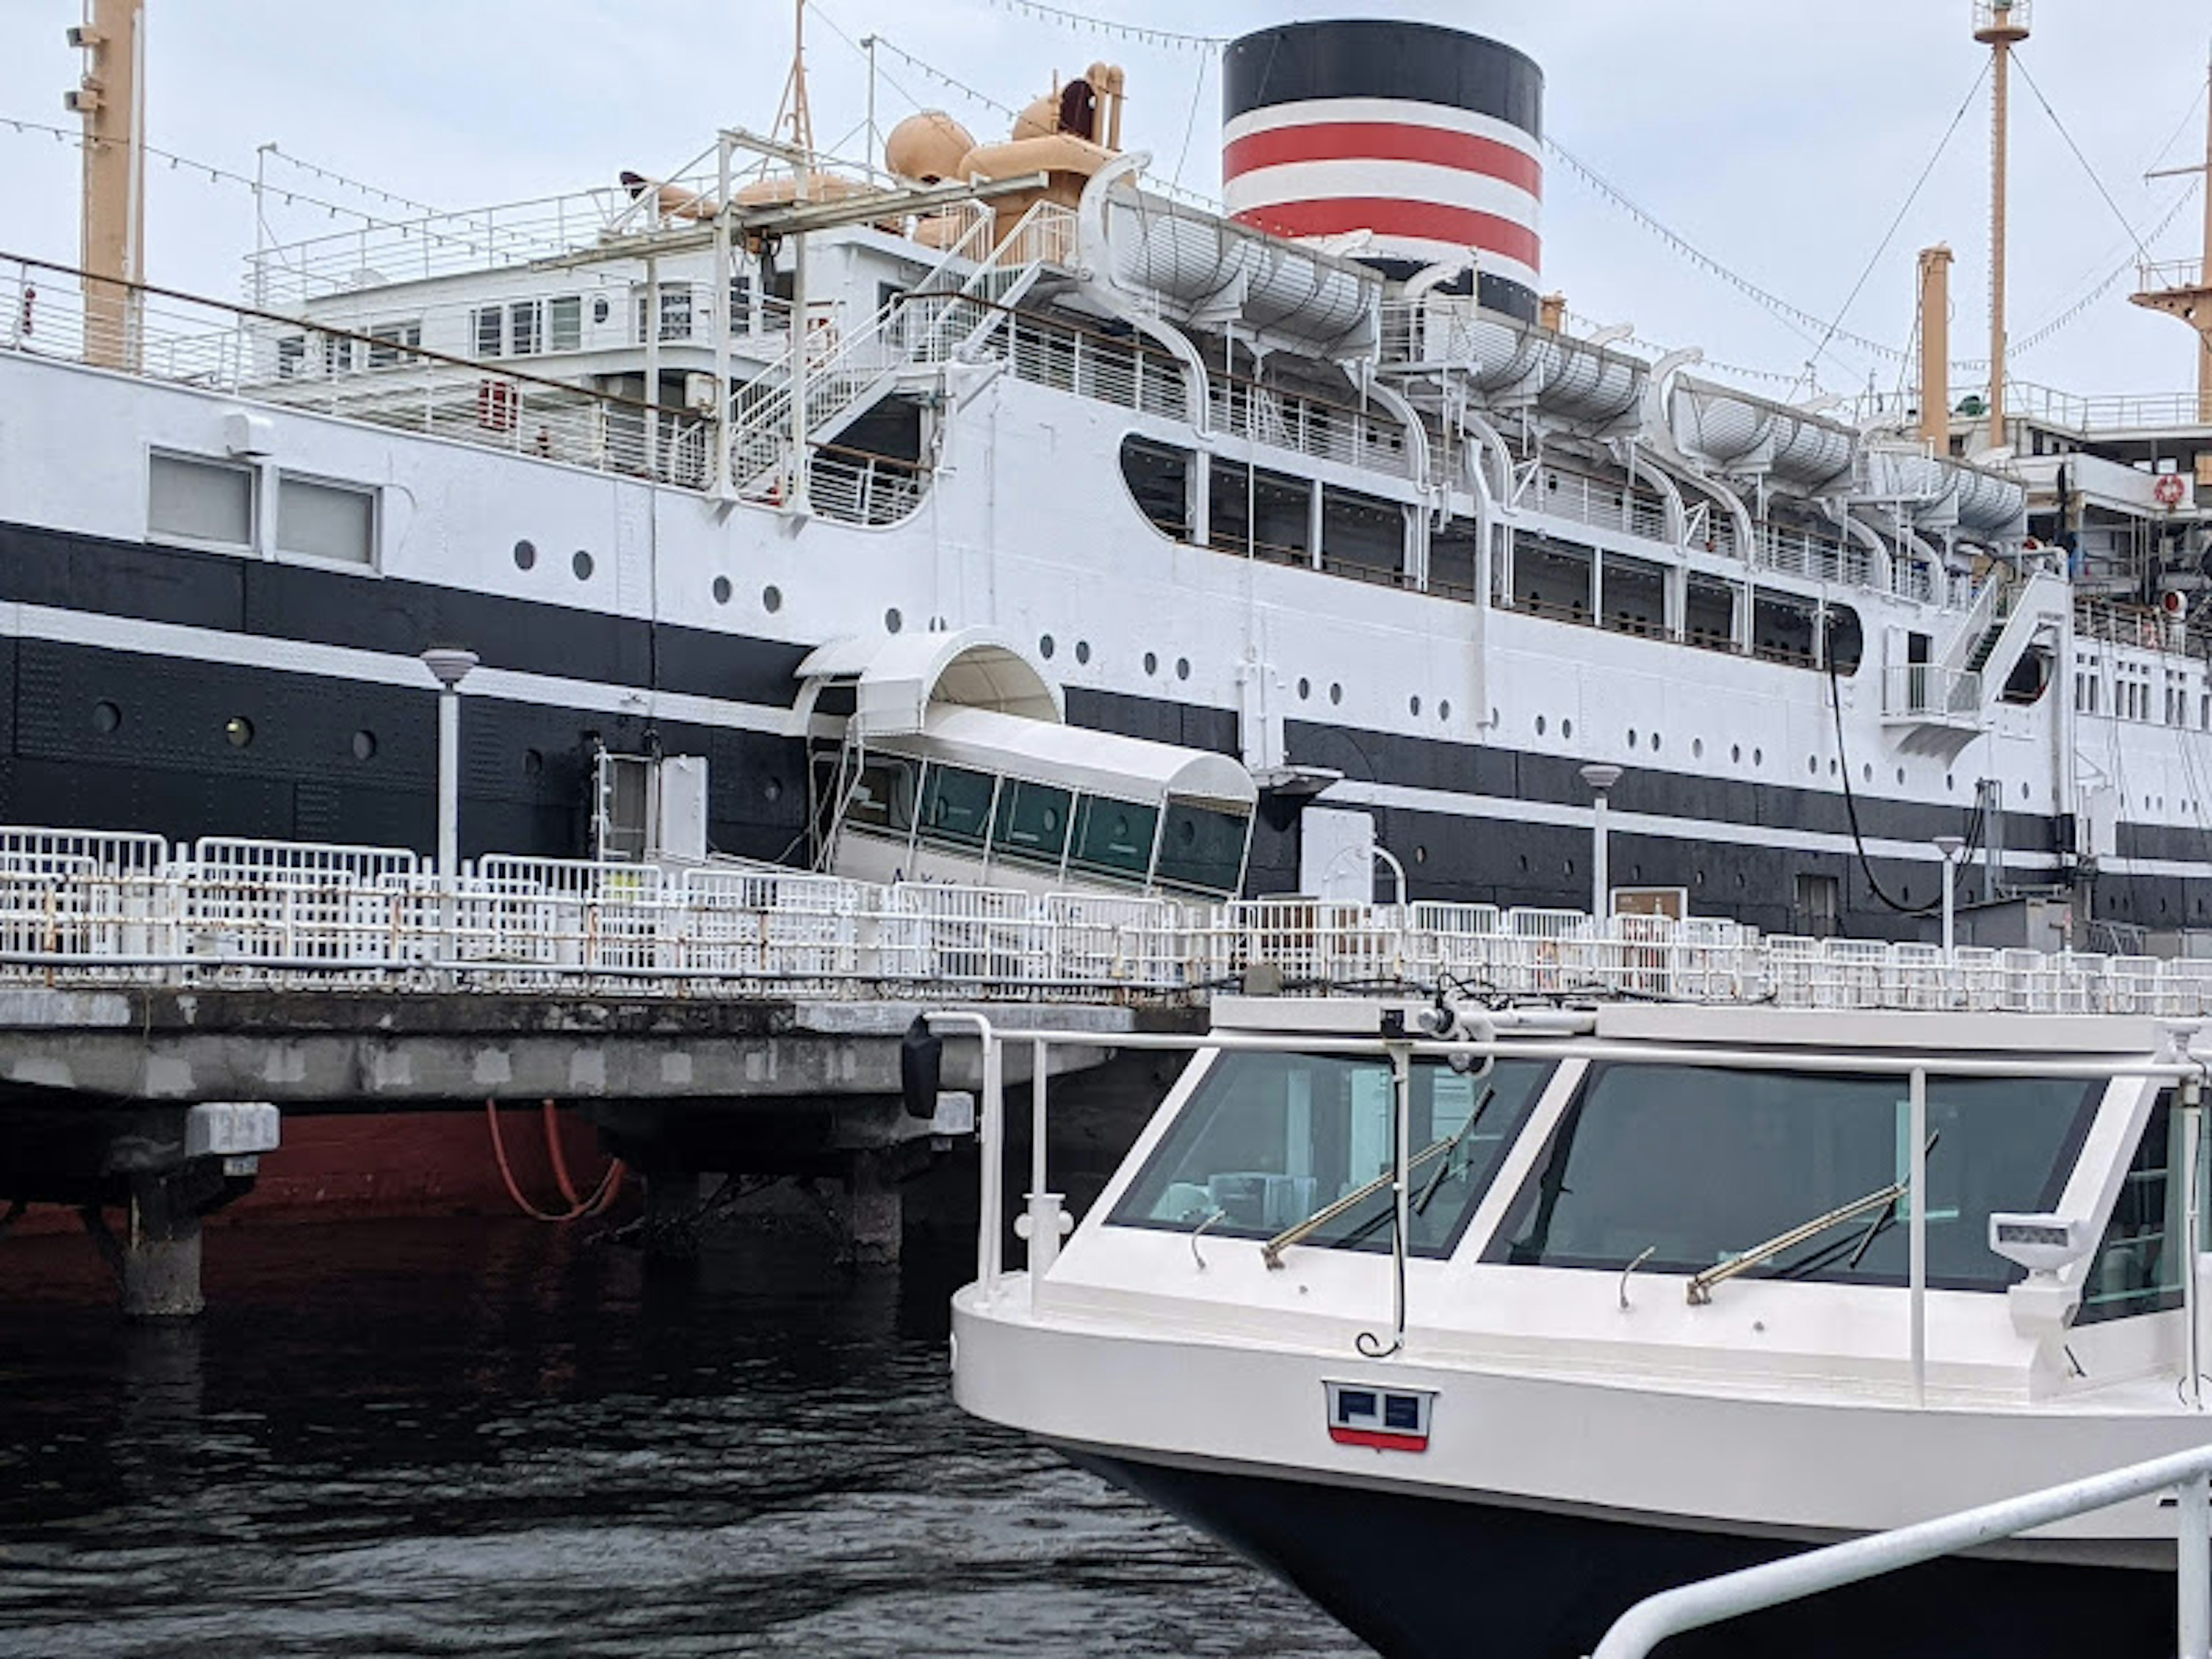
{"type": "Point", "coordinates": [1781, 138]}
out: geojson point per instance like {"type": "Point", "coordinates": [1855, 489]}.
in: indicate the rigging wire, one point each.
{"type": "Point", "coordinates": [1895, 224]}
{"type": "Point", "coordinates": [2094, 177]}
{"type": "Point", "coordinates": [1085, 23]}
{"type": "Point", "coordinates": [1190, 121]}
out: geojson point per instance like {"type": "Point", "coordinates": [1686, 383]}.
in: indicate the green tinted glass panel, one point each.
{"type": "Point", "coordinates": [1202, 849]}
{"type": "Point", "coordinates": [1268, 1138]}
{"type": "Point", "coordinates": [956, 804]}
{"type": "Point", "coordinates": [884, 796]}
{"type": "Point", "coordinates": [1032, 822]}
{"type": "Point", "coordinates": [1113, 837]}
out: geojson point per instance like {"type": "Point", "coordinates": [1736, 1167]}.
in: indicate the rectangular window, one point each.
{"type": "Point", "coordinates": [1032, 827]}
{"type": "Point", "coordinates": [200, 500]}
{"type": "Point", "coordinates": [883, 799]}
{"type": "Point", "coordinates": [325, 520]}
{"type": "Point", "coordinates": [389, 343]}
{"type": "Point", "coordinates": [1113, 837]}
{"type": "Point", "coordinates": [522, 320]}
{"type": "Point", "coordinates": [1282, 517]}
{"type": "Point", "coordinates": [564, 323]}
{"type": "Point", "coordinates": [291, 356]}
{"type": "Point", "coordinates": [2137, 1267]}
{"type": "Point", "coordinates": [1698, 1164]}
{"type": "Point", "coordinates": [956, 804]}
{"type": "Point", "coordinates": [1361, 535]}
{"type": "Point", "coordinates": [1202, 849]}
{"type": "Point", "coordinates": [488, 326]}
{"type": "Point", "coordinates": [675, 313]}
{"type": "Point", "coordinates": [337, 355]}
{"type": "Point", "coordinates": [1266, 1139]}
{"type": "Point", "coordinates": [1820, 905]}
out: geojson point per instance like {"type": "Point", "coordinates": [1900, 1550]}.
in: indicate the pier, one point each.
{"type": "Point", "coordinates": [164, 1010]}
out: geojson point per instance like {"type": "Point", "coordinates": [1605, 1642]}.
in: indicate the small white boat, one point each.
{"type": "Point", "coordinates": [1480, 1325]}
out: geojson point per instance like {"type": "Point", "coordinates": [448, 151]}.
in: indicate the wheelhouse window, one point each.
{"type": "Point", "coordinates": [200, 500]}
{"type": "Point", "coordinates": [1202, 849]}
{"type": "Point", "coordinates": [1112, 837]}
{"type": "Point", "coordinates": [1698, 1165]}
{"type": "Point", "coordinates": [883, 797]}
{"type": "Point", "coordinates": [2138, 1265]}
{"type": "Point", "coordinates": [1266, 1139]}
{"type": "Point", "coordinates": [956, 804]}
{"type": "Point", "coordinates": [1031, 825]}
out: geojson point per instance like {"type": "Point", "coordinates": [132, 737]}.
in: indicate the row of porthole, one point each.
{"type": "Point", "coordinates": [237, 731]}
{"type": "Point", "coordinates": [579, 562]}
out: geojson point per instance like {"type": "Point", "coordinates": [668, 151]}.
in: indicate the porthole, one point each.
{"type": "Point", "coordinates": [1739, 879]}
{"type": "Point", "coordinates": [722, 590]}
{"type": "Point", "coordinates": [1698, 879]}
{"type": "Point", "coordinates": [1524, 863]}
{"type": "Point", "coordinates": [364, 745]}
{"type": "Point", "coordinates": [1697, 749]}
{"type": "Point", "coordinates": [772, 789]}
{"type": "Point", "coordinates": [1758, 758]}
{"type": "Point", "coordinates": [1813, 765]}
{"type": "Point", "coordinates": [581, 564]}
{"type": "Point", "coordinates": [1900, 775]}
{"type": "Point", "coordinates": [1568, 865]}
{"type": "Point", "coordinates": [1655, 743]}
{"type": "Point", "coordinates": [1414, 704]}
{"type": "Point", "coordinates": [1631, 736]}
{"type": "Point", "coordinates": [1867, 772]}
{"type": "Point", "coordinates": [1045, 646]}
{"type": "Point", "coordinates": [1420, 855]}
{"type": "Point", "coordinates": [1736, 753]}
{"type": "Point", "coordinates": [238, 730]}
{"type": "Point", "coordinates": [105, 717]}
{"type": "Point", "coordinates": [1540, 726]}
{"type": "Point", "coordinates": [1949, 781]}
{"type": "Point", "coordinates": [1335, 694]}
{"type": "Point", "coordinates": [1566, 728]}
{"type": "Point", "coordinates": [892, 620]}
{"type": "Point", "coordinates": [598, 309]}
{"type": "Point", "coordinates": [1151, 662]}
{"type": "Point", "coordinates": [533, 763]}
{"type": "Point", "coordinates": [2023, 794]}
{"type": "Point", "coordinates": [1831, 768]}
{"type": "Point", "coordinates": [1443, 709]}
{"type": "Point", "coordinates": [526, 555]}
{"type": "Point", "coordinates": [1083, 651]}
{"type": "Point", "coordinates": [771, 599]}
{"type": "Point", "coordinates": [1182, 668]}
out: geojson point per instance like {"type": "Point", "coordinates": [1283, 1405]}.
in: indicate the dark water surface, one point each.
{"type": "Point", "coordinates": [473, 1438]}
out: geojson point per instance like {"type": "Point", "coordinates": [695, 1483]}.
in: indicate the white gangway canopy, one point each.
{"type": "Point", "coordinates": [898, 677]}
{"type": "Point", "coordinates": [1102, 763]}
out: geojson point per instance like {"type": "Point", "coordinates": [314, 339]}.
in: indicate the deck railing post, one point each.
{"type": "Point", "coordinates": [1917, 1196]}
{"type": "Point", "coordinates": [2193, 1560]}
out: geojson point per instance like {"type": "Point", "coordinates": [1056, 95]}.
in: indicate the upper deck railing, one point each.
{"type": "Point", "coordinates": [2117, 412]}
{"type": "Point", "coordinates": [87, 908]}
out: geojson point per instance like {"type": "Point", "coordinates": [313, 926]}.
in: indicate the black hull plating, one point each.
{"type": "Point", "coordinates": [1420, 1578]}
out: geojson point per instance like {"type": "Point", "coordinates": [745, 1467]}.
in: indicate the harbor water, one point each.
{"type": "Point", "coordinates": [488, 1437]}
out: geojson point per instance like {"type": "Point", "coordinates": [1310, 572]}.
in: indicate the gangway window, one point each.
{"type": "Point", "coordinates": [1697, 1164]}
{"type": "Point", "coordinates": [883, 798]}
{"type": "Point", "coordinates": [1032, 827]}
{"type": "Point", "coordinates": [1202, 849]}
{"type": "Point", "coordinates": [956, 804]}
{"type": "Point", "coordinates": [1267, 1139]}
{"type": "Point", "coordinates": [1113, 837]}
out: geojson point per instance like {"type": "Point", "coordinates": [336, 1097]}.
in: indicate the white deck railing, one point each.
{"type": "Point", "coordinates": [79, 908]}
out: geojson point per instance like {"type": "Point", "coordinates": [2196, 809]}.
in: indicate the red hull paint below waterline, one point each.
{"type": "Point", "coordinates": [347, 1166]}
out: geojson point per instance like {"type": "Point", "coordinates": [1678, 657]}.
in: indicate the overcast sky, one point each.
{"type": "Point", "coordinates": [1779, 136]}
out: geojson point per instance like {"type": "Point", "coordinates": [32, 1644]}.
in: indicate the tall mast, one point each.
{"type": "Point", "coordinates": [2183, 290]}
{"type": "Point", "coordinates": [793, 106]}
{"type": "Point", "coordinates": [2000, 25]}
{"type": "Point", "coordinates": [111, 98]}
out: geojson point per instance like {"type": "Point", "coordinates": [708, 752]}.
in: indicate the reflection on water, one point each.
{"type": "Point", "coordinates": [484, 1438]}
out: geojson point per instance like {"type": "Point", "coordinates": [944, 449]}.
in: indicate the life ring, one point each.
{"type": "Point", "coordinates": [2169, 490]}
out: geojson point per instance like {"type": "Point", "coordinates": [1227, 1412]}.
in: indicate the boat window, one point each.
{"type": "Point", "coordinates": [1158, 477]}
{"type": "Point", "coordinates": [564, 323]}
{"type": "Point", "coordinates": [200, 500]}
{"type": "Point", "coordinates": [325, 520]}
{"type": "Point", "coordinates": [1697, 1164]}
{"type": "Point", "coordinates": [956, 804]}
{"type": "Point", "coordinates": [2136, 1269]}
{"type": "Point", "coordinates": [1032, 822]}
{"type": "Point", "coordinates": [1846, 640]}
{"type": "Point", "coordinates": [1362, 535]}
{"type": "Point", "coordinates": [1202, 849]}
{"type": "Point", "coordinates": [1269, 1139]}
{"type": "Point", "coordinates": [883, 797]}
{"type": "Point", "coordinates": [1112, 837]}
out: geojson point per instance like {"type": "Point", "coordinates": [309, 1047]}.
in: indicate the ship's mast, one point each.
{"type": "Point", "coordinates": [2000, 25]}
{"type": "Point", "coordinates": [2183, 290]}
{"type": "Point", "coordinates": [794, 107]}
{"type": "Point", "coordinates": [111, 98]}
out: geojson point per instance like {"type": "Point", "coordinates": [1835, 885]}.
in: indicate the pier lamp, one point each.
{"type": "Point", "coordinates": [449, 666]}
{"type": "Point", "coordinates": [1601, 777]}
{"type": "Point", "coordinates": [1950, 847]}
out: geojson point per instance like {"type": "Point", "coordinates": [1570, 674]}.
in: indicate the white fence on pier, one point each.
{"type": "Point", "coordinates": [81, 907]}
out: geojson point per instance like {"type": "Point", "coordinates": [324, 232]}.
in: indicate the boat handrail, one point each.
{"type": "Point", "coordinates": [1714, 1600]}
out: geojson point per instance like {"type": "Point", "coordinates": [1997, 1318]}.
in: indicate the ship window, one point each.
{"type": "Point", "coordinates": [489, 328]}
{"type": "Point", "coordinates": [1846, 640]}
{"type": "Point", "coordinates": [1202, 849]}
{"type": "Point", "coordinates": [564, 323]}
{"type": "Point", "coordinates": [1551, 578]}
{"type": "Point", "coordinates": [1634, 595]}
{"type": "Point", "coordinates": [1452, 554]}
{"type": "Point", "coordinates": [522, 321]}
{"type": "Point", "coordinates": [1362, 535]}
{"type": "Point", "coordinates": [325, 520]}
{"type": "Point", "coordinates": [956, 804]}
{"type": "Point", "coordinates": [2136, 1269]}
{"type": "Point", "coordinates": [1112, 837]}
{"type": "Point", "coordinates": [1709, 612]}
{"type": "Point", "coordinates": [1268, 1138]}
{"type": "Point", "coordinates": [390, 344]}
{"type": "Point", "coordinates": [1695, 1164]}
{"type": "Point", "coordinates": [337, 353]}
{"type": "Point", "coordinates": [1158, 477]}
{"type": "Point", "coordinates": [883, 799]}
{"type": "Point", "coordinates": [200, 500]}
{"type": "Point", "coordinates": [675, 313]}
{"type": "Point", "coordinates": [1229, 518]}
{"type": "Point", "coordinates": [1031, 824]}
{"type": "Point", "coordinates": [291, 356]}
{"type": "Point", "coordinates": [1781, 630]}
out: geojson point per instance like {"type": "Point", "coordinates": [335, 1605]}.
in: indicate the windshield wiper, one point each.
{"type": "Point", "coordinates": [1700, 1287]}
{"type": "Point", "coordinates": [1271, 1251]}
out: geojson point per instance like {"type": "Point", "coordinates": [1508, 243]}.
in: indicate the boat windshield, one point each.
{"type": "Point", "coordinates": [1267, 1139]}
{"type": "Point", "coordinates": [1697, 1164]}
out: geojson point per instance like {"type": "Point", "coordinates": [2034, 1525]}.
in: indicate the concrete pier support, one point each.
{"type": "Point", "coordinates": [871, 1215]}
{"type": "Point", "coordinates": [161, 1250]}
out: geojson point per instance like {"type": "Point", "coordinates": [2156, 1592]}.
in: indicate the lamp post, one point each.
{"type": "Point", "coordinates": [1601, 777]}
{"type": "Point", "coordinates": [1950, 847]}
{"type": "Point", "coordinates": [449, 667]}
